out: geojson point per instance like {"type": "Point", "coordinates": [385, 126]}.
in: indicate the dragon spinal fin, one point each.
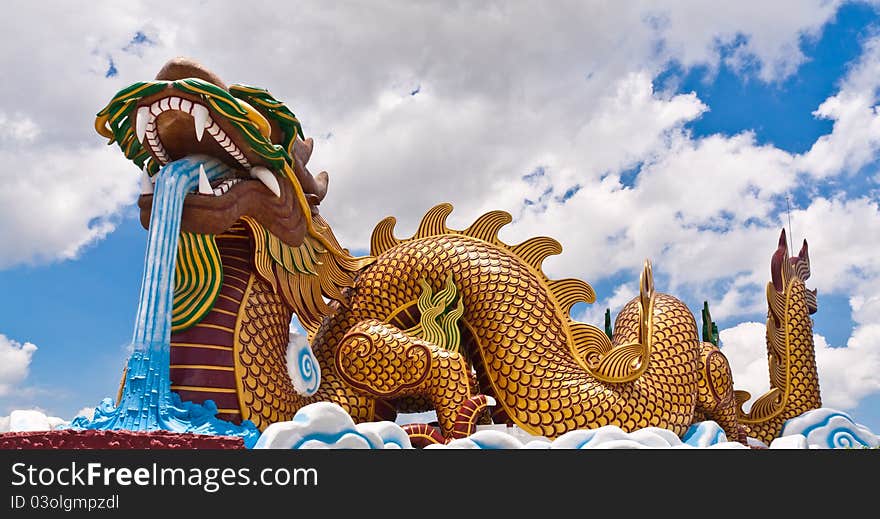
{"type": "Point", "coordinates": [535, 250]}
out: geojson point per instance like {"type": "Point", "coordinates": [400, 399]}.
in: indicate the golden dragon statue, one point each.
{"type": "Point", "coordinates": [454, 321]}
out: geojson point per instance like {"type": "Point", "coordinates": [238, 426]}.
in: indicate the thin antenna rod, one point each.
{"type": "Point", "coordinates": [790, 236]}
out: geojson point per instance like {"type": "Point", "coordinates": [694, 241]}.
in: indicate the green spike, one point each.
{"type": "Point", "coordinates": [433, 332]}
{"type": "Point", "coordinates": [449, 323]}
{"type": "Point", "coordinates": [609, 330]}
{"type": "Point", "coordinates": [425, 299]}
{"type": "Point", "coordinates": [440, 313]}
{"type": "Point", "coordinates": [446, 295]}
{"type": "Point", "coordinates": [706, 318]}
{"type": "Point", "coordinates": [710, 329]}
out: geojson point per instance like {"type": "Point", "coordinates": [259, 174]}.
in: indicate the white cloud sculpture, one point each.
{"type": "Point", "coordinates": [26, 420]}
{"type": "Point", "coordinates": [325, 425]}
{"type": "Point", "coordinates": [830, 429]}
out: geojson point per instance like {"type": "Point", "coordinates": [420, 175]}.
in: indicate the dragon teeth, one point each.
{"type": "Point", "coordinates": [146, 183]}
{"type": "Point", "coordinates": [200, 120]}
{"type": "Point", "coordinates": [204, 184]}
{"type": "Point", "coordinates": [145, 128]}
{"type": "Point", "coordinates": [143, 118]}
{"type": "Point", "coordinates": [225, 186]}
{"type": "Point", "coordinates": [267, 178]}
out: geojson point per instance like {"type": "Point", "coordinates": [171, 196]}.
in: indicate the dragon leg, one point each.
{"type": "Point", "coordinates": [715, 394]}
{"type": "Point", "coordinates": [470, 412]}
{"type": "Point", "coordinates": [383, 362]}
{"type": "Point", "coordinates": [421, 435]}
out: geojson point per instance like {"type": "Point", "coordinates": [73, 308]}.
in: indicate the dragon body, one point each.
{"type": "Point", "coordinates": [449, 320]}
{"type": "Point", "coordinates": [519, 335]}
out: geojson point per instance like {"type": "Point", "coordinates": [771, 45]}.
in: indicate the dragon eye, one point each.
{"type": "Point", "coordinates": [257, 118]}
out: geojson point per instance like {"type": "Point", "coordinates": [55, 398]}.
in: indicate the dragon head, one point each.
{"type": "Point", "coordinates": [783, 269]}
{"type": "Point", "coordinates": [188, 110]}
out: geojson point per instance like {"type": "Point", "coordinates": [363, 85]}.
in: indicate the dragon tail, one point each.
{"type": "Point", "coordinates": [625, 362]}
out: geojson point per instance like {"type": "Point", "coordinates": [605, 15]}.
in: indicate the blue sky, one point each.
{"type": "Point", "coordinates": [404, 122]}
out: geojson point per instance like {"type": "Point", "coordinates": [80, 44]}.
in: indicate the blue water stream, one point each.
{"type": "Point", "coordinates": [147, 402]}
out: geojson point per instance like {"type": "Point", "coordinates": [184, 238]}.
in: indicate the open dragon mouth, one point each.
{"type": "Point", "coordinates": [172, 125]}
{"type": "Point", "coordinates": [186, 111]}
{"type": "Point", "coordinates": [148, 116]}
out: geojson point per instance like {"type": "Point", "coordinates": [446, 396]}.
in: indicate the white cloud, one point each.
{"type": "Point", "coordinates": [15, 359]}
{"type": "Point", "coordinates": [740, 299]}
{"type": "Point", "coordinates": [848, 374]}
{"type": "Point", "coordinates": [866, 309]}
{"type": "Point", "coordinates": [54, 203]}
{"type": "Point", "coordinates": [765, 35]}
{"type": "Point", "coordinates": [502, 88]}
{"type": "Point", "coordinates": [843, 236]}
{"type": "Point", "coordinates": [23, 420]}
{"type": "Point", "coordinates": [745, 347]}
{"type": "Point", "coordinates": [855, 137]}
{"type": "Point", "coordinates": [37, 419]}
{"type": "Point", "coordinates": [702, 210]}
{"type": "Point", "coordinates": [475, 153]}
{"type": "Point", "coordinates": [595, 313]}
{"type": "Point", "coordinates": [629, 123]}
{"type": "Point", "coordinates": [17, 127]}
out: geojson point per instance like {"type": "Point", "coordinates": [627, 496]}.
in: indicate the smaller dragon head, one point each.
{"type": "Point", "coordinates": [784, 268]}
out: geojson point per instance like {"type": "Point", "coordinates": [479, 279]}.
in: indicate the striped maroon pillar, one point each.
{"type": "Point", "coordinates": [203, 356]}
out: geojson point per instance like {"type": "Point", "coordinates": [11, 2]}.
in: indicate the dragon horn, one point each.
{"type": "Point", "coordinates": [303, 149]}
{"type": "Point", "coordinates": [801, 264]}
{"type": "Point", "coordinates": [779, 264]}
{"type": "Point", "coordinates": [314, 188]}
{"type": "Point", "coordinates": [321, 181]}
{"type": "Point", "coordinates": [783, 244]}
